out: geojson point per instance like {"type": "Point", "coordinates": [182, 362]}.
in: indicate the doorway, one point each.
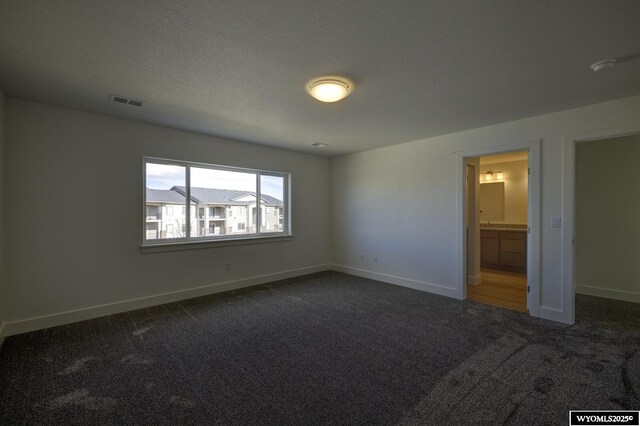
{"type": "Point", "coordinates": [505, 247]}
{"type": "Point", "coordinates": [500, 212]}
{"type": "Point", "coordinates": [607, 206]}
{"type": "Point", "coordinates": [567, 312]}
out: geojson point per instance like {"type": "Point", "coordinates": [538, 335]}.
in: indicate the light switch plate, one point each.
{"type": "Point", "coordinates": [556, 222]}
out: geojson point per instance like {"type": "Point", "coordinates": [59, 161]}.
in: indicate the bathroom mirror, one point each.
{"type": "Point", "coordinates": [492, 201]}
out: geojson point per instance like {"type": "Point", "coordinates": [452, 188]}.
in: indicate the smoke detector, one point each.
{"type": "Point", "coordinates": [602, 65]}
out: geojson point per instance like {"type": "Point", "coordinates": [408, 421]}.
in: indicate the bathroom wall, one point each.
{"type": "Point", "coordinates": [515, 180]}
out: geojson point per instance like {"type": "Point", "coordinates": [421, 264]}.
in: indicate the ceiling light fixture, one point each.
{"type": "Point", "coordinates": [319, 145]}
{"type": "Point", "coordinates": [329, 88]}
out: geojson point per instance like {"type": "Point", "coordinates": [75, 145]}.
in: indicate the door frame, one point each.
{"type": "Point", "coordinates": [569, 142]}
{"type": "Point", "coordinates": [473, 225]}
{"type": "Point", "coordinates": [533, 216]}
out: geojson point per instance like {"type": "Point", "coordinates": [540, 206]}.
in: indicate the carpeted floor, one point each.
{"type": "Point", "coordinates": [327, 348]}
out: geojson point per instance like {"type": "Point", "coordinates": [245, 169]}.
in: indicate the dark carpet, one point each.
{"type": "Point", "coordinates": [327, 348]}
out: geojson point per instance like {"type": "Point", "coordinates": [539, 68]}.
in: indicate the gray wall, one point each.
{"type": "Point", "coordinates": [399, 202]}
{"type": "Point", "coordinates": [73, 198]}
{"type": "Point", "coordinates": [608, 218]}
{"type": "Point", "coordinates": [74, 195]}
{"type": "Point", "coordinates": [3, 299]}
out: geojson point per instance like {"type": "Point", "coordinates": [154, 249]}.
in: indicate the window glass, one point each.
{"type": "Point", "coordinates": [217, 191]}
{"type": "Point", "coordinates": [272, 215]}
{"type": "Point", "coordinates": [225, 203]}
{"type": "Point", "coordinates": [162, 220]}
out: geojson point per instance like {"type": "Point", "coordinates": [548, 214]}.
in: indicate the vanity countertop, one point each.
{"type": "Point", "coordinates": [503, 227]}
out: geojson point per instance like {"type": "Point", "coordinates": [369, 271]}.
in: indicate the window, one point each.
{"type": "Point", "coordinates": [216, 212]}
{"type": "Point", "coordinates": [213, 202]}
{"type": "Point", "coordinates": [153, 212]}
{"type": "Point", "coordinates": [152, 230]}
{"type": "Point", "coordinates": [273, 190]}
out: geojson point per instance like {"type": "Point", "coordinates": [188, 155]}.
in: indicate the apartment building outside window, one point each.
{"type": "Point", "coordinates": [224, 202]}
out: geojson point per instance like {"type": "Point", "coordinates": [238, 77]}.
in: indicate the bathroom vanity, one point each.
{"type": "Point", "coordinates": [503, 247]}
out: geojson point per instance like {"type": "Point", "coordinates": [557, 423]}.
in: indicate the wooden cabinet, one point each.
{"type": "Point", "coordinates": [490, 249]}
{"type": "Point", "coordinates": [505, 250]}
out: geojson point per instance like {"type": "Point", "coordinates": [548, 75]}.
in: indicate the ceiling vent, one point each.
{"type": "Point", "coordinates": [124, 100]}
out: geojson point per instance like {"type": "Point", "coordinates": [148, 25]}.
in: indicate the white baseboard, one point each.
{"type": "Point", "coordinates": [404, 282]}
{"type": "Point", "coordinates": [474, 279]}
{"type": "Point", "coordinates": [31, 324]}
{"type": "Point", "coordinates": [608, 293]}
{"type": "Point", "coordinates": [37, 323]}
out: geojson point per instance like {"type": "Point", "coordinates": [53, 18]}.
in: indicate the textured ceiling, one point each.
{"type": "Point", "coordinates": [238, 68]}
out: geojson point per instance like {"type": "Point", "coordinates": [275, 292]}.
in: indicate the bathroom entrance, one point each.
{"type": "Point", "coordinates": [497, 226]}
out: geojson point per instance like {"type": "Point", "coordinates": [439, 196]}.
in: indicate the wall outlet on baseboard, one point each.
{"type": "Point", "coordinates": [227, 265]}
{"type": "Point", "coordinates": [375, 258]}
{"type": "Point", "coordinates": [361, 257]}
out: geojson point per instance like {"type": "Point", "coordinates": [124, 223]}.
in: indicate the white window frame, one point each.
{"type": "Point", "coordinates": [188, 239]}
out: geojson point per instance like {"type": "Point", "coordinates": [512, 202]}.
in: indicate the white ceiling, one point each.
{"type": "Point", "coordinates": [238, 68]}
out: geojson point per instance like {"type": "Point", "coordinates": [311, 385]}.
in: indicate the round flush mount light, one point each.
{"type": "Point", "coordinates": [319, 145]}
{"type": "Point", "coordinates": [602, 65]}
{"type": "Point", "coordinates": [329, 88]}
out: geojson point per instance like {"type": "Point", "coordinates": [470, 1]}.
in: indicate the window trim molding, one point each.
{"type": "Point", "coordinates": [187, 242]}
{"type": "Point", "coordinates": [205, 244]}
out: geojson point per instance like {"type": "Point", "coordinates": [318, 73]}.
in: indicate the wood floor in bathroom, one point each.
{"type": "Point", "coordinates": [499, 288]}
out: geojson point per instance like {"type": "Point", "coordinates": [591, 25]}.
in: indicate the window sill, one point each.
{"type": "Point", "coordinates": [196, 245]}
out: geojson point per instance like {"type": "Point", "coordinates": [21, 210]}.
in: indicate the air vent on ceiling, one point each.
{"type": "Point", "coordinates": [125, 100]}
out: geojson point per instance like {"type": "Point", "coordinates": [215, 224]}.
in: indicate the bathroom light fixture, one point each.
{"type": "Point", "coordinates": [493, 175]}
{"type": "Point", "coordinates": [319, 145]}
{"type": "Point", "coordinates": [329, 88]}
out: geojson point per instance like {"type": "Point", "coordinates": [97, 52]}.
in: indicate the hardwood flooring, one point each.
{"type": "Point", "coordinates": [499, 288]}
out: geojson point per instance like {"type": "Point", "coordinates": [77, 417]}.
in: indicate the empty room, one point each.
{"type": "Point", "coordinates": [336, 212]}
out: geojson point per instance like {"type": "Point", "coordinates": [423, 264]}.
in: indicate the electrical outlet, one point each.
{"type": "Point", "coordinates": [227, 265]}
{"type": "Point", "coordinates": [361, 257]}
{"type": "Point", "coordinates": [375, 258]}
